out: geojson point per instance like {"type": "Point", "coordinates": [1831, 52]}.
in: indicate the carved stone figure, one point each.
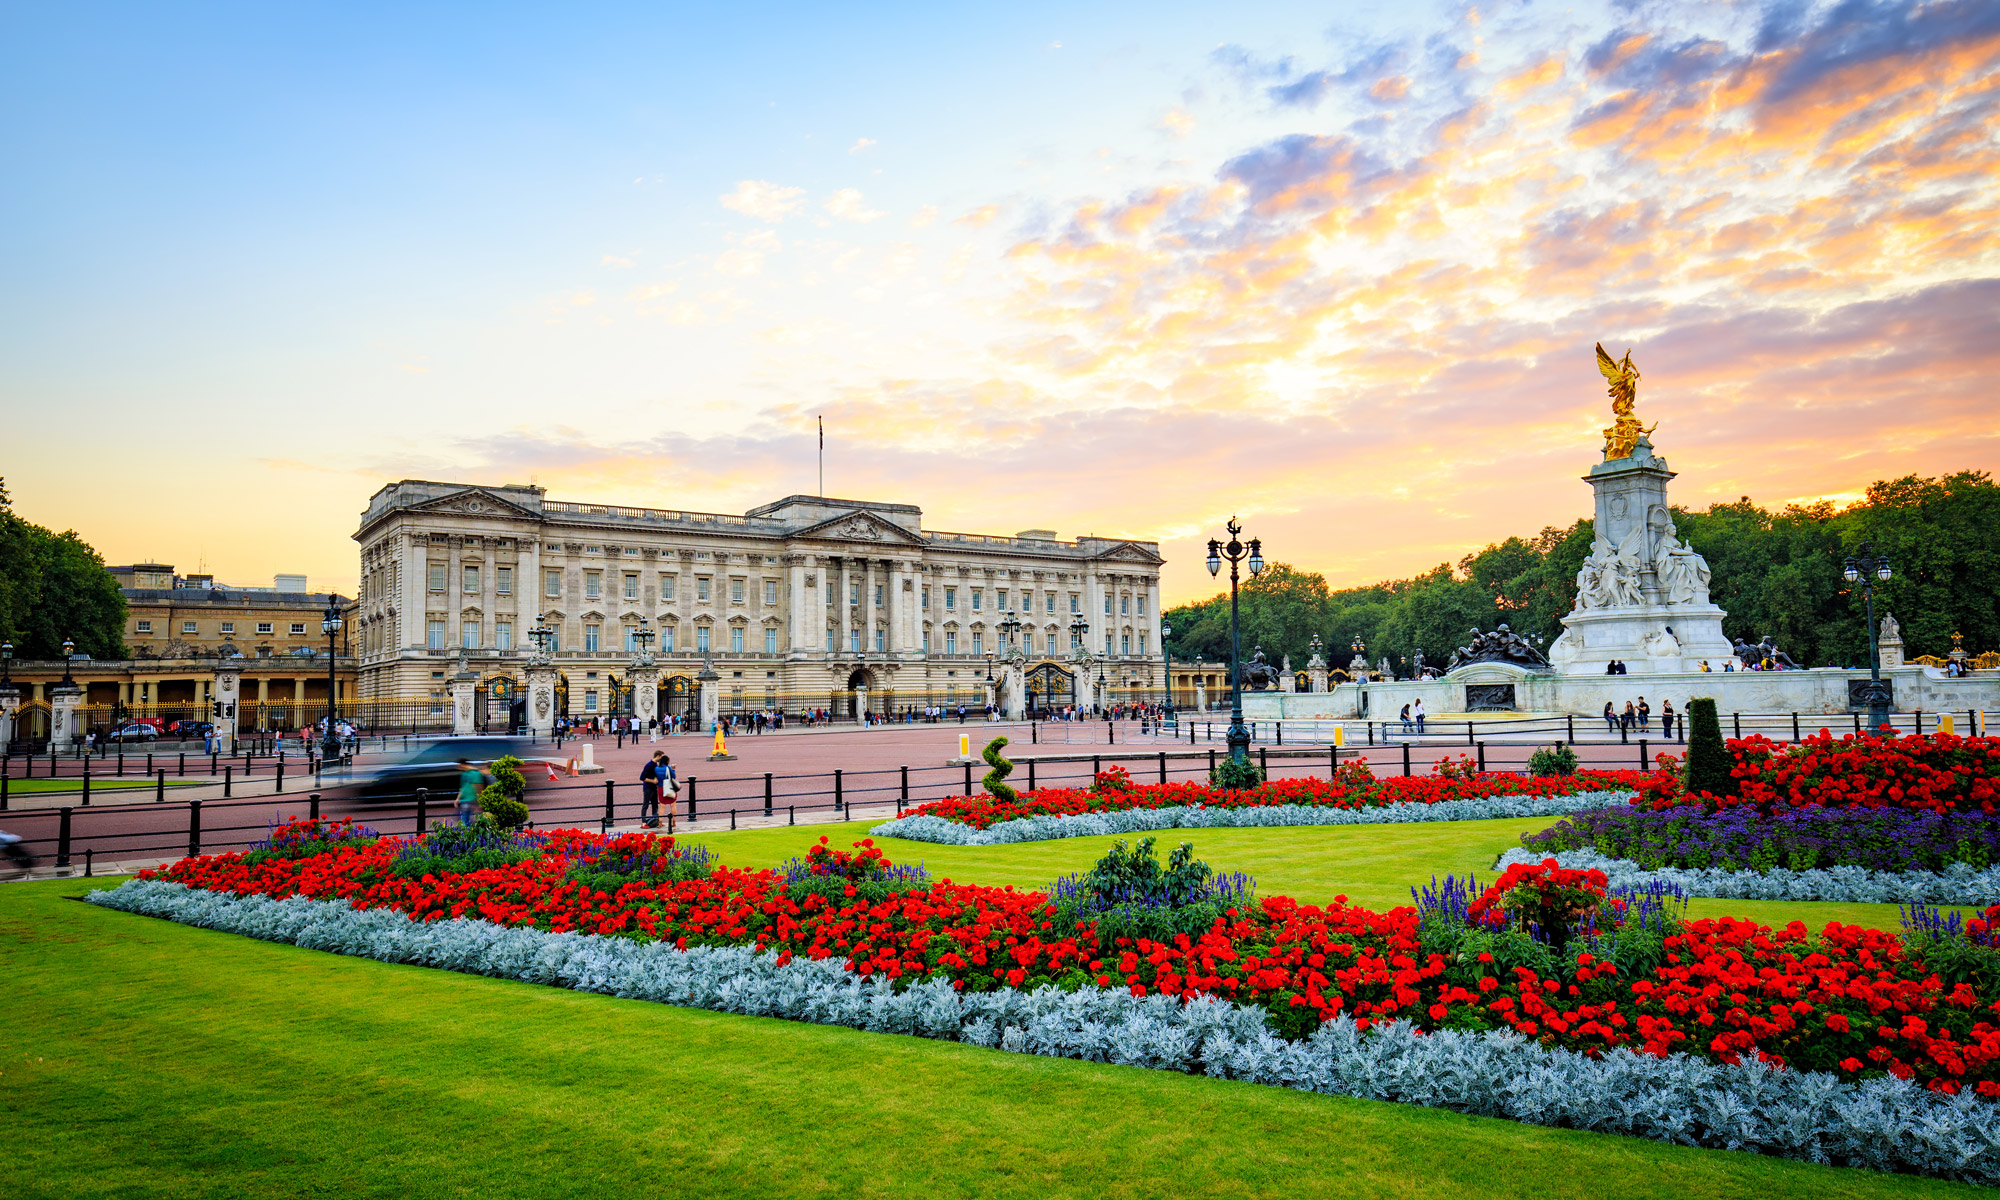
{"type": "Point", "coordinates": [1258, 674]}
{"type": "Point", "coordinates": [1502, 645]}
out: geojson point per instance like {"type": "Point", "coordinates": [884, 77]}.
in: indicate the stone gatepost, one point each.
{"type": "Point", "coordinates": [711, 694]}
{"type": "Point", "coordinates": [1287, 681]}
{"type": "Point", "coordinates": [541, 698]}
{"type": "Point", "coordinates": [645, 680]}
{"type": "Point", "coordinates": [64, 721]}
{"type": "Point", "coordinates": [10, 702]}
{"type": "Point", "coordinates": [1200, 695]}
{"type": "Point", "coordinates": [226, 691]}
{"type": "Point", "coordinates": [463, 709]}
{"type": "Point", "coordinates": [1014, 693]}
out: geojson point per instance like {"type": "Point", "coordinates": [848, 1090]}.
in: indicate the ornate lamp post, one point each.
{"type": "Point", "coordinates": [1079, 651]}
{"type": "Point", "coordinates": [643, 638]}
{"type": "Point", "coordinates": [1865, 568]}
{"type": "Point", "coordinates": [1236, 552]}
{"type": "Point", "coordinates": [329, 624]}
{"type": "Point", "coordinates": [69, 652]}
{"type": "Point", "coordinates": [6, 664]}
{"type": "Point", "coordinates": [1167, 654]}
{"type": "Point", "coordinates": [542, 635]}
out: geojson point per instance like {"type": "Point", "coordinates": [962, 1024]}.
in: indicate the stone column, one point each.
{"type": "Point", "coordinates": [711, 695]}
{"type": "Point", "coordinates": [463, 684]}
{"type": "Point", "coordinates": [796, 641]}
{"type": "Point", "coordinates": [868, 613]}
{"type": "Point", "coordinates": [416, 597]}
{"type": "Point", "coordinates": [64, 700]}
{"type": "Point", "coordinates": [645, 692]}
{"type": "Point", "coordinates": [841, 603]}
{"type": "Point", "coordinates": [226, 690]}
{"type": "Point", "coordinates": [541, 698]}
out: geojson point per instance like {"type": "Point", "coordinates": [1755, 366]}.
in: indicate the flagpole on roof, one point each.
{"type": "Point", "coordinates": [822, 456]}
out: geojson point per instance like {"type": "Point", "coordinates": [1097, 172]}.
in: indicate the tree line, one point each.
{"type": "Point", "coordinates": [54, 586]}
{"type": "Point", "coordinates": [1776, 573]}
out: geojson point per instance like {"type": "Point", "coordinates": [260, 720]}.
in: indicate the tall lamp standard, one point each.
{"type": "Point", "coordinates": [1079, 652]}
{"type": "Point", "coordinates": [1167, 654]}
{"type": "Point", "coordinates": [329, 624]}
{"type": "Point", "coordinates": [1865, 568]}
{"type": "Point", "coordinates": [69, 652]}
{"type": "Point", "coordinates": [1236, 552]}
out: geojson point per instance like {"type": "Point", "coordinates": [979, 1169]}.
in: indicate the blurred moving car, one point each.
{"type": "Point", "coordinates": [134, 732]}
{"type": "Point", "coordinates": [431, 764]}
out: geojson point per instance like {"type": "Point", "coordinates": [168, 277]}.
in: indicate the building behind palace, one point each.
{"type": "Point", "coordinates": [805, 603]}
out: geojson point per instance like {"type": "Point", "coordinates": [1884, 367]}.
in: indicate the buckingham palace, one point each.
{"type": "Point", "coordinates": [806, 603]}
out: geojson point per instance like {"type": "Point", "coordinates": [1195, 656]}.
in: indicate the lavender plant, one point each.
{"type": "Point", "coordinates": [1738, 839]}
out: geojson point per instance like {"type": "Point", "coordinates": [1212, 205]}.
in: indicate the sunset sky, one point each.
{"type": "Point", "coordinates": [1121, 269]}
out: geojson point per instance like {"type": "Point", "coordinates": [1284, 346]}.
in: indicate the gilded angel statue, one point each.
{"type": "Point", "coordinates": [1623, 433]}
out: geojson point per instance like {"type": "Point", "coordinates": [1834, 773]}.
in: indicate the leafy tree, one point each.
{"type": "Point", "coordinates": [54, 586]}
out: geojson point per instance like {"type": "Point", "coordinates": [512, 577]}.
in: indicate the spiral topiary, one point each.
{"type": "Point", "coordinates": [1709, 762]}
{"type": "Point", "coordinates": [996, 779]}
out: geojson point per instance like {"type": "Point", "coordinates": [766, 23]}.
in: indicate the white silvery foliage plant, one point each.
{"type": "Point", "coordinates": [1958, 883]}
{"type": "Point", "coordinates": [1885, 1124]}
{"type": "Point", "coordinates": [1270, 816]}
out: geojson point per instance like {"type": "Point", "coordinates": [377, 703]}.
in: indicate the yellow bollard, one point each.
{"type": "Point", "coordinates": [720, 748]}
{"type": "Point", "coordinates": [1339, 737]}
{"type": "Point", "coordinates": [965, 745]}
{"type": "Point", "coordinates": [1945, 723]}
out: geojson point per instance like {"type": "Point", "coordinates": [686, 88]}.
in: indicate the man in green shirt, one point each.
{"type": "Point", "coordinates": [470, 780]}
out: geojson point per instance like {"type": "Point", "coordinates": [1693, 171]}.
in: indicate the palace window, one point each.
{"type": "Point", "coordinates": [468, 634]}
{"type": "Point", "coordinates": [470, 582]}
{"type": "Point", "coordinates": [666, 588]}
{"type": "Point", "coordinates": [145, 627]}
{"type": "Point", "coordinates": [228, 628]}
{"type": "Point", "coordinates": [1124, 606]}
{"type": "Point", "coordinates": [736, 639]}
{"type": "Point", "coordinates": [951, 643]}
{"type": "Point", "coordinates": [927, 641]}
{"type": "Point", "coordinates": [771, 640]}
{"type": "Point", "coordinates": [854, 641]}
{"type": "Point", "coordinates": [1107, 643]}
{"type": "Point", "coordinates": [298, 628]}
{"type": "Point", "coordinates": [552, 583]}
{"type": "Point", "coordinates": [736, 591]}
{"type": "Point", "coordinates": [264, 628]}
{"type": "Point", "coordinates": [434, 635]}
{"type": "Point", "coordinates": [631, 639]}
{"type": "Point", "coordinates": [1075, 602]}
{"type": "Point", "coordinates": [503, 635]}
{"type": "Point", "coordinates": [631, 586]}
{"type": "Point", "coordinates": [1000, 599]}
{"type": "Point", "coordinates": [667, 640]}
{"type": "Point", "coordinates": [978, 642]}
{"type": "Point", "coordinates": [1142, 643]}
{"type": "Point", "coordinates": [1052, 602]}
{"type": "Point", "coordinates": [701, 587]}
{"type": "Point", "coordinates": [593, 584]}
{"type": "Point", "coordinates": [770, 591]}
{"type": "Point", "coordinates": [188, 627]}
{"type": "Point", "coordinates": [437, 576]}
{"type": "Point", "coordinates": [503, 580]}
{"type": "Point", "coordinates": [950, 599]}
{"type": "Point", "coordinates": [832, 639]}
{"type": "Point", "coordinates": [881, 640]}
{"type": "Point", "coordinates": [924, 602]}
{"type": "Point", "coordinates": [592, 634]}
{"type": "Point", "coordinates": [590, 701]}
{"type": "Point", "coordinates": [701, 639]}
{"type": "Point", "coordinates": [854, 591]}
{"type": "Point", "coordinates": [976, 594]}
{"type": "Point", "coordinates": [1125, 643]}
{"type": "Point", "coordinates": [1107, 604]}
{"type": "Point", "coordinates": [880, 598]}
{"type": "Point", "coordinates": [1142, 606]}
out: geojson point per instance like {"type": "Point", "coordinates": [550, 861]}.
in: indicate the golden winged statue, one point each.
{"type": "Point", "coordinates": [1623, 433]}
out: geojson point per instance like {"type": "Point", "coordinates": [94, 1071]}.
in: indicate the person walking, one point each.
{"type": "Point", "coordinates": [649, 791]}
{"type": "Point", "coordinates": [1417, 714]}
{"type": "Point", "coordinates": [470, 780]}
{"type": "Point", "coordinates": [1610, 718]}
{"type": "Point", "coordinates": [1666, 718]}
{"type": "Point", "coordinates": [670, 788]}
{"type": "Point", "coordinates": [1645, 716]}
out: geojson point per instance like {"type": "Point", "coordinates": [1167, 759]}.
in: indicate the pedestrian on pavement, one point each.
{"type": "Point", "coordinates": [1408, 725]}
{"type": "Point", "coordinates": [470, 780]}
{"type": "Point", "coordinates": [1628, 718]}
{"type": "Point", "coordinates": [670, 788]}
{"type": "Point", "coordinates": [1610, 718]}
{"type": "Point", "coordinates": [649, 791]}
{"type": "Point", "coordinates": [1666, 718]}
{"type": "Point", "coordinates": [1645, 716]}
{"type": "Point", "coordinates": [1417, 715]}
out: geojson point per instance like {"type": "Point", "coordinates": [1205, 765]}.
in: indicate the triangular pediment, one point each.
{"type": "Point", "coordinates": [1128, 552]}
{"type": "Point", "coordinates": [475, 502]}
{"type": "Point", "coordinates": [860, 525]}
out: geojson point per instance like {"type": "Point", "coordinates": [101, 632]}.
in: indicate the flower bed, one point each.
{"type": "Point", "coordinates": [1849, 1001]}
{"type": "Point", "coordinates": [1937, 773]}
{"type": "Point", "coordinates": [1800, 839]}
{"type": "Point", "coordinates": [1884, 1123]}
{"type": "Point", "coordinates": [1958, 883]}
{"type": "Point", "coordinates": [1354, 787]}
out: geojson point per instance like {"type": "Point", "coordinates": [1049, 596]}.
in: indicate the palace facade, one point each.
{"type": "Point", "coordinates": [808, 602]}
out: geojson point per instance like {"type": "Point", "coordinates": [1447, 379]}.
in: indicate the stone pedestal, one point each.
{"type": "Point", "coordinates": [10, 703]}
{"type": "Point", "coordinates": [1642, 595]}
{"type": "Point", "coordinates": [226, 692]}
{"type": "Point", "coordinates": [463, 711]}
{"type": "Point", "coordinates": [645, 692]}
{"type": "Point", "coordinates": [541, 699]}
{"type": "Point", "coordinates": [1890, 642]}
{"type": "Point", "coordinates": [1200, 697]}
{"type": "Point", "coordinates": [710, 699]}
{"type": "Point", "coordinates": [1013, 690]}
{"type": "Point", "coordinates": [65, 726]}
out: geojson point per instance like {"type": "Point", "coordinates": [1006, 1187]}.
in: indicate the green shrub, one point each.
{"type": "Point", "coordinates": [1236, 776]}
{"type": "Point", "coordinates": [1708, 760]}
{"type": "Point", "coordinates": [995, 780]}
{"type": "Point", "coordinates": [1129, 894]}
{"type": "Point", "coordinates": [502, 799]}
{"type": "Point", "coordinates": [1558, 759]}
{"type": "Point", "coordinates": [458, 849]}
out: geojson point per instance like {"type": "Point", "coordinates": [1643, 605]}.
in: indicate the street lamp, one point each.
{"type": "Point", "coordinates": [69, 651]}
{"type": "Point", "coordinates": [6, 664]}
{"type": "Point", "coordinates": [542, 635]}
{"type": "Point", "coordinates": [1236, 552]}
{"type": "Point", "coordinates": [1079, 650]}
{"type": "Point", "coordinates": [644, 637]}
{"type": "Point", "coordinates": [1167, 653]}
{"type": "Point", "coordinates": [1865, 568]}
{"type": "Point", "coordinates": [329, 624]}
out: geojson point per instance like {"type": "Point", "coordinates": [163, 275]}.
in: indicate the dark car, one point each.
{"type": "Point", "coordinates": [189, 731]}
{"type": "Point", "coordinates": [432, 765]}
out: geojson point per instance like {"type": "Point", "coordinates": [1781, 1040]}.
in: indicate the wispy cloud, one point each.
{"type": "Point", "coordinates": [765, 201]}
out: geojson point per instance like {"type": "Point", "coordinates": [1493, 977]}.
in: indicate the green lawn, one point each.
{"type": "Point", "coordinates": [98, 783]}
{"type": "Point", "coordinates": [1372, 865]}
{"type": "Point", "coordinates": [140, 1058]}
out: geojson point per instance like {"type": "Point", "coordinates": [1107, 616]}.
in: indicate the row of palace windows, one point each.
{"type": "Point", "coordinates": [228, 628]}
{"type": "Point", "coordinates": [472, 630]}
